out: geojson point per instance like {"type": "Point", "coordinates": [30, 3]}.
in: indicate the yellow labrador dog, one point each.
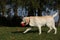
{"type": "Point", "coordinates": [39, 21]}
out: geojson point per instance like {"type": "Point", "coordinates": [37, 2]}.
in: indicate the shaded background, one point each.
{"type": "Point", "coordinates": [12, 11]}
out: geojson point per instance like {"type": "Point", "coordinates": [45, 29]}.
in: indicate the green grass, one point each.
{"type": "Point", "coordinates": [15, 33]}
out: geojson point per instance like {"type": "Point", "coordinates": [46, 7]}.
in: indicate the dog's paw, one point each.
{"type": "Point", "coordinates": [39, 33]}
{"type": "Point", "coordinates": [24, 32]}
{"type": "Point", "coordinates": [48, 32]}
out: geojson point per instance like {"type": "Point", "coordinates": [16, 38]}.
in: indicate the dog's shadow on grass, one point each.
{"type": "Point", "coordinates": [32, 31]}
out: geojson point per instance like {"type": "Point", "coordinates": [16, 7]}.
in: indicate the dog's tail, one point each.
{"type": "Point", "coordinates": [55, 14]}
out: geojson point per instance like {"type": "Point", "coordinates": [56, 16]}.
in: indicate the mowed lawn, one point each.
{"type": "Point", "coordinates": [15, 33]}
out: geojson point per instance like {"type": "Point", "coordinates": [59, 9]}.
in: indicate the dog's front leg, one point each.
{"type": "Point", "coordinates": [27, 30]}
{"type": "Point", "coordinates": [39, 30]}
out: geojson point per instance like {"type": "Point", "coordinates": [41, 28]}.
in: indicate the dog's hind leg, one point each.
{"type": "Point", "coordinates": [28, 29]}
{"type": "Point", "coordinates": [49, 29]}
{"type": "Point", "coordinates": [52, 26]}
{"type": "Point", "coordinates": [55, 29]}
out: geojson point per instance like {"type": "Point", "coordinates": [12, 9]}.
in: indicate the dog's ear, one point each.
{"type": "Point", "coordinates": [31, 21]}
{"type": "Point", "coordinates": [27, 20]}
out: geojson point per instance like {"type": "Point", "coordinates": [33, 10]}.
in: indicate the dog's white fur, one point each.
{"type": "Point", "coordinates": [39, 21]}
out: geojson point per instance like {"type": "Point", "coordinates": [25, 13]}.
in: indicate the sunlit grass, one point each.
{"type": "Point", "coordinates": [15, 33]}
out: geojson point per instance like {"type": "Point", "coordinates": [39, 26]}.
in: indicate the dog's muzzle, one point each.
{"type": "Point", "coordinates": [22, 24]}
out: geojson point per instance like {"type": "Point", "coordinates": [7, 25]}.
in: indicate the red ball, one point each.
{"type": "Point", "coordinates": [22, 24]}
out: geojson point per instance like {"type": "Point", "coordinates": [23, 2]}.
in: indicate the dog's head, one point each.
{"type": "Point", "coordinates": [25, 21]}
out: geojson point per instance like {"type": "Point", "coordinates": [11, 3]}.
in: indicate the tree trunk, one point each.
{"type": "Point", "coordinates": [3, 10]}
{"type": "Point", "coordinates": [59, 23]}
{"type": "Point", "coordinates": [59, 19]}
{"type": "Point", "coordinates": [3, 2]}
{"type": "Point", "coordinates": [39, 12]}
{"type": "Point", "coordinates": [15, 8]}
{"type": "Point", "coordinates": [30, 10]}
{"type": "Point", "coordinates": [15, 11]}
